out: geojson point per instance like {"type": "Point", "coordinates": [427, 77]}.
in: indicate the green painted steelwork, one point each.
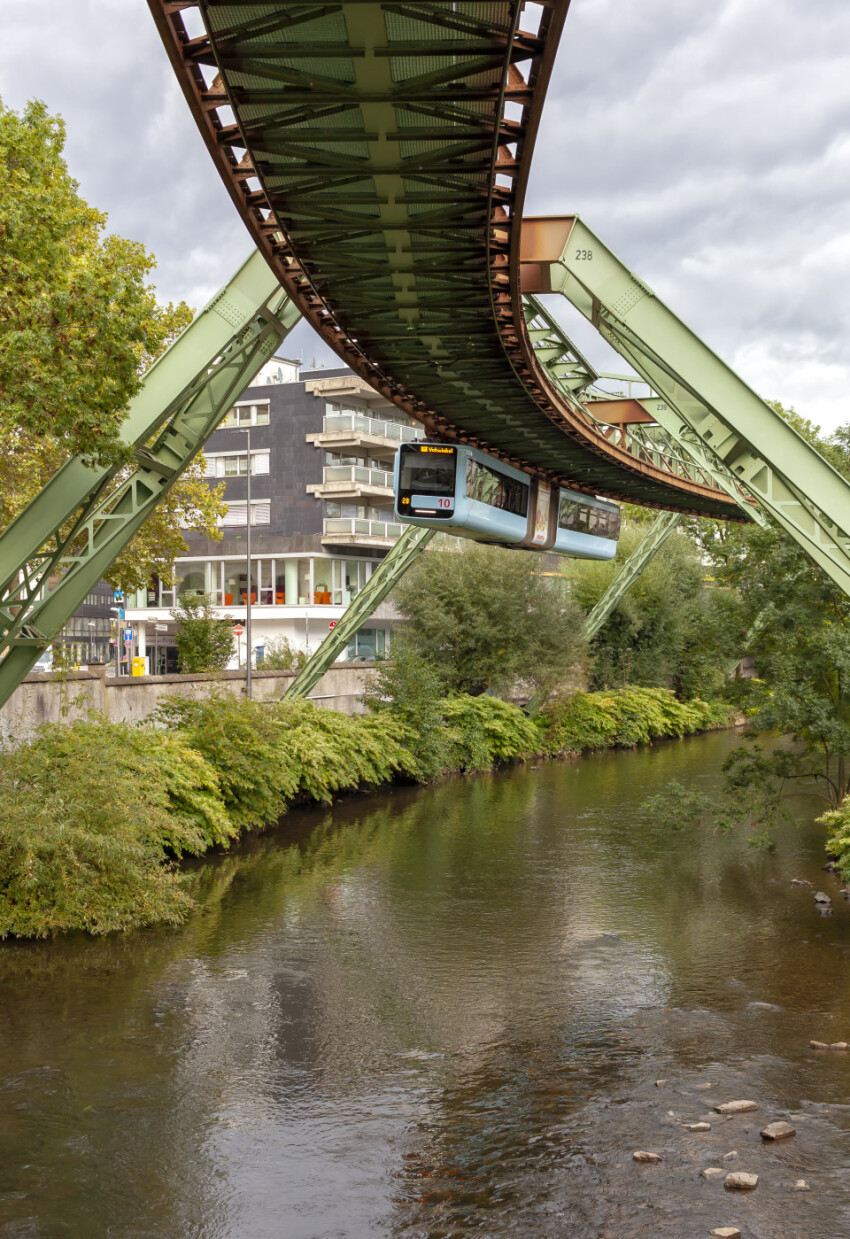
{"type": "Point", "coordinates": [705, 404]}
{"type": "Point", "coordinates": [378, 151]}
{"type": "Point", "coordinates": [666, 445]}
{"type": "Point", "coordinates": [82, 520]}
{"type": "Point", "coordinates": [409, 547]}
{"type": "Point", "coordinates": [655, 537]}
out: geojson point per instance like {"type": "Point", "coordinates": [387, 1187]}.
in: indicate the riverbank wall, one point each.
{"type": "Point", "coordinates": [49, 698]}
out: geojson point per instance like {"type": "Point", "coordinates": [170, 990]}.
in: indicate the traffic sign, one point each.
{"type": "Point", "coordinates": [238, 630]}
{"type": "Point", "coordinates": [331, 625]}
{"type": "Point", "coordinates": [118, 595]}
{"type": "Point", "coordinates": [128, 635]}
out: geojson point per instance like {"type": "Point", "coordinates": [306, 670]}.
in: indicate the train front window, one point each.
{"type": "Point", "coordinates": [427, 470]}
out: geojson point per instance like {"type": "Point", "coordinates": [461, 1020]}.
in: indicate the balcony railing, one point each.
{"type": "Point", "coordinates": [354, 525]}
{"type": "Point", "coordinates": [357, 473]}
{"type": "Point", "coordinates": [336, 422]}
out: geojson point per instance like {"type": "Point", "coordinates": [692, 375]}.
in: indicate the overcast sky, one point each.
{"type": "Point", "coordinates": [707, 144]}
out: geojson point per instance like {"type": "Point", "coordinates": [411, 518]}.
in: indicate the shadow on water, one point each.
{"type": "Point", "coordinates": [444, 1013]}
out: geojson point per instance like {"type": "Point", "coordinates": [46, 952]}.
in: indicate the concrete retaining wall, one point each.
{"type": "Point", "coordinates": [49, 699]}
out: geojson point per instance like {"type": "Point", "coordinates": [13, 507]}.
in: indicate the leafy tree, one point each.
{"type": "Point", "coordinates": [671, 629]}
{"type": "Point", "coordinates": [484, 618]}
{"type": "Point", "coordinates": [280, 655]}
{"type": "Point", "coordinates": [799, 626]}
{"type": "Point", "coordinates": [79, 325]}
{"type": "Point", "coordinates": [204, 643]}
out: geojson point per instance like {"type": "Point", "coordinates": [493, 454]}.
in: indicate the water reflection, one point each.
{"type": "Point", "coordinates": [442, 1013]}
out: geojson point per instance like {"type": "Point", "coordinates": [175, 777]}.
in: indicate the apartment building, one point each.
{"type": "Point", "coordinates": [322, 444]}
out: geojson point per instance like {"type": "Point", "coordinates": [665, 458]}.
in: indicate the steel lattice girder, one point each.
{"type": "Point", "coordinates": [676, 453]}
{"type": "Point", "coordinates": [184, 397]}
{"type": "Point", "coordinates": [709, 406]}
{"type": "Point", "coordinates": [390, 570]}
{"type": "Point", "coordinates": [655, 537]}
{"type": "Point", "coordinates": [373, 153]}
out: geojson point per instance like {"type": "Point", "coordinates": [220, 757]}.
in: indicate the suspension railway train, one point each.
{"type": "Point", "coordinates": [466, 492]}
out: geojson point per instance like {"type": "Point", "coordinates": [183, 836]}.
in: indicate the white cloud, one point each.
{"type": "Point", "coordinates": [708, 145]}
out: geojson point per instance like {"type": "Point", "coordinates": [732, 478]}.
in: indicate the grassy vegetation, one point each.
{"type": "Point", "coordinates": [94, 816]}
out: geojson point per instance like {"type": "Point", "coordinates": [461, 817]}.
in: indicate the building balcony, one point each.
{"type": "Point", "coordinates": [357, 531]}
{"type": "Point", "coordinates": [344, 482]}
{"type": "Point", "coordinates": [349, 432]}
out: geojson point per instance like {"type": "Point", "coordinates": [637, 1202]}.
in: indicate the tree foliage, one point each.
{"type": "Point", "coordinates": [79, 325]}
{"type": "Point", "coordinates": [204, 643]}
{"type": "Point", "coordinates": [671, 629]}
{"type": "Point", "coordinates": [484, 617]}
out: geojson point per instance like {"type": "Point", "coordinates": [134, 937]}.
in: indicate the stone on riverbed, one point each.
{"type": "Point", "coordinates": [819, 1045]}
{"type": "Point", "coordinates": [740, 1181]}
{"type": "Point", "coordinates": [641, 1155]}
{"type": "Point", "coordinates": [725, 1232]}
{"type": "Point", "coordinates": [778, 1131]}
{"type": "Point", "coordinates": [697, 1126]}
{"type": "Point", "coordinates": [800, 1185]}
{"type": "Point", "coordinates": [736, 1107]}
{"type": "Point", "coordinates": [660, 1083]}
{"type": "Point", "coordinates": [822, 897]}
{"type": "Point", "coordinates": [800, 882]}
{"type": "Point", "coordinates": [712, 1172]}
{"type": "Point", "coordinates": [838, 1045]}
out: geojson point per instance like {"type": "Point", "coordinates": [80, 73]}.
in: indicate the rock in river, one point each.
{"type": "Point", "coordinates": [736, 1107]}
{"type": "Point", "coordinates": [819, 1045]}
{"type": "Point", "coordinates": [800, 1185]}
{"type": "Point", "coordinates": [697, 1126]}
{"type": "Point", "coordinates": [641, 1155]}
{"type": "Point", "coordinates": [725, 1232]}
{"type": "Point", "coordinates": [740, 1181]}
{"type": "Point", "coordinates": [712, 1172]}
{"type": "Point", "coordinates": [838, 1045]}
{"type": "Point", "coordinates": [778, 1131]}
{"type": "Point", "coordinates": [822, 897]}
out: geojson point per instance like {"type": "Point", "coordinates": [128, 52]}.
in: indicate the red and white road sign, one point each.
{"type": "Point", "coordinates": [238, 630]}
{"type": "Point", "coordinates": [332, 625]}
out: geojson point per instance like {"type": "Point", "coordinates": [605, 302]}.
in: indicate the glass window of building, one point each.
{"type": "Point", "coordinates": [246, 415]}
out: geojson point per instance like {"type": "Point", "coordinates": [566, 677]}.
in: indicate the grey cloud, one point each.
{"type": "Point", "coordinates": [708, 144]}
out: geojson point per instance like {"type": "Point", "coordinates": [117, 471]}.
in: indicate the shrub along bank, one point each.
{"type": "Point", "coordinates": [95, 815]}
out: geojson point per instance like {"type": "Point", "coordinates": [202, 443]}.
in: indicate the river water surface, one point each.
{"type": "Point", "coordinates": [444, 1013]}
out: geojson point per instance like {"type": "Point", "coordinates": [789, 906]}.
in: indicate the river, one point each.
{"type": "Point", "coordinates": [444, 1013]}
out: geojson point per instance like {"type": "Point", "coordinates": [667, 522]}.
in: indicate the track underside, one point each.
{"type": "Point", "coordinates": [379, 154]}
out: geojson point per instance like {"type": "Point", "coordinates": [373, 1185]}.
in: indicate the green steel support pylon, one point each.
{"type": "Point", "coordinates": [76, 526]}
{"type": "Point", "coordinates": [703, 402]}
{"type": "Point", "coordinates": [409, 547]}
{"type": "Point", "coordinates": [652, 541]}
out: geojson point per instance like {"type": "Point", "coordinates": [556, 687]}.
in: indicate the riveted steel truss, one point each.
{"type": "Point", "coordinates": [389, 571]}
{"type": "Point", "coordinates": [645, 551]}
{"type": "Point", "coordinates": [378, 150]}
{"type": "Point", "coordinates": [701, 401]}
{"type": "Point", "coordinates": [60, 546]}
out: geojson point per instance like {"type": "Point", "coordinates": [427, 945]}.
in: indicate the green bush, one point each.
{"type": "Point", "coordinates": [624, 718]}
{"type": "Point", "coordinates": [837, 823]}
{"type": "Point", "coordinates": [484, 730]}
{"type": "Point", "coordinates": [266, 754]}
{"type": "Point", "coordinates": [89, 816]}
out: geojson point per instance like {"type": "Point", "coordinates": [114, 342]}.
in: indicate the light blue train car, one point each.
{"type": "Point", "coordinates": [463, 491]}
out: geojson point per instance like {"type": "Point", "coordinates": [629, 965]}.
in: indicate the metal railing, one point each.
{"type": "Point", "coordinates": [358, 473]}
{"type": "Point", "coordinates": [335, 422]}
{"type": "Point", "coordinates": [353, 525]}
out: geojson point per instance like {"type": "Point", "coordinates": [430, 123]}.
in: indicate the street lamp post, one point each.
{"type": "Point", "coordinates": [248, 685]}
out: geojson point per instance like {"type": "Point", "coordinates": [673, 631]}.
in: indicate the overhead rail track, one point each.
{"type": "Point", "coordinates": [378, 151]}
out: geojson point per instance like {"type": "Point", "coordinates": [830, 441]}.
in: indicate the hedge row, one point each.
{"type": "Point", "coordinates": [94, 816]}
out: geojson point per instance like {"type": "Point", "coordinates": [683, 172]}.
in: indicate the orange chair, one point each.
{"type": "Point", "coordinates": [228, 600]}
